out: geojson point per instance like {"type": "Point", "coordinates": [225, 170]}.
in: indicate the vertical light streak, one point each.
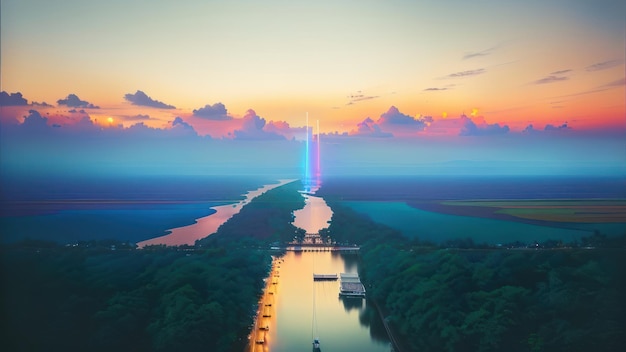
{"type": "Point", "coordinates": [318, 171]}
{"type": "Point", "coordinates": [306, 153]}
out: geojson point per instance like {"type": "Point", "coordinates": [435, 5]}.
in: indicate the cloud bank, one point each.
{"type": "Point", "coordinates": [470, 128]}
{"type": "Point", "coordinates": [252, 129]}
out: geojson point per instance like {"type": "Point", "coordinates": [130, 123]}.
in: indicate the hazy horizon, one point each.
{"type": "Point", "coordinates": [398, 87]}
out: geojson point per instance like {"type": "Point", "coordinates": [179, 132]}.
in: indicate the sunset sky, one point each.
{"type": "Point", "coordinates": [444, 75]}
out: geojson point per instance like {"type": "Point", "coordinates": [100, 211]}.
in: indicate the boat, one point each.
{"type": "Point", "coordinates": [314, 327]}
{"type": "Point", "coordinates": [316, 345]}
{"type": "Point", "coordinates": [265, 328]}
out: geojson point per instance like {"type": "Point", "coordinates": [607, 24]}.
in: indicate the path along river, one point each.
{"type": "Point", "coordinates": [295, 309]}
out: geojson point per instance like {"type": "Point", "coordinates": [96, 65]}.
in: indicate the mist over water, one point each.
{"type": "Point", "coordinates": [131, 209]}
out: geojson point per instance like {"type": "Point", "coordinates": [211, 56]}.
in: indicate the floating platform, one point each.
{"type": "Point", "coordinates": [351, 286]}
{"type": "Point", "coordinates": [325, 277]}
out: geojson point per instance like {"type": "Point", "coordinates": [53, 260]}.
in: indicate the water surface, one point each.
{"type": "Point", "coordinates": [315, 215]}
{"type": "Point", "coordinates": [439, 227]}
{"type": "Point", "coordinates": [342, 324]}
{"type": "Point", "coordinates": [209, 224]}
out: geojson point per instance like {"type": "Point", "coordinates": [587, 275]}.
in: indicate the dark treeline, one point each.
{"type": "Point", "coordinates": [267, 218]}
{"type": "Point", "coordinates": [439, 299]}
{"type": "Point", "coordinates": [95, 299]}
{"type": "Point", "coordinates": [108, 296]}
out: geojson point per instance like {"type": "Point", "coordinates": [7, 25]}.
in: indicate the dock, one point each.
{"type": "Point", "coordinates": [325, 277]}
{"type": "Point", "coordinates": [351, 286]}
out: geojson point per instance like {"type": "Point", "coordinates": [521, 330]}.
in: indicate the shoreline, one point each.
{"type": "Point", "coordinates": [314, 216]}
{"type": "Point", "coordinates": [494, 213]}
{"type": "Point", "coordinates": [208, 225]}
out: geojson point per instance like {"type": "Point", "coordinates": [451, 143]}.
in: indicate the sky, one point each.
{"type": "Point", "coordinates": [397, 86]}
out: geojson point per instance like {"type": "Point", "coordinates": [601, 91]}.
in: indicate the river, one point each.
{"type": "Point", "coordinates": [209, 224]}
{"type": "Point", "coordinates": [297, 309]}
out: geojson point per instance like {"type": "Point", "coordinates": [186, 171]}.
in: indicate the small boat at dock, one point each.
{"type": "Point", "coordinates": [316, 345]}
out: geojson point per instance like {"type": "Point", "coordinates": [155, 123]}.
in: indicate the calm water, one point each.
{"type": "Point", "coordinates": [315, 215]}
{"type": "Point", "coordinates": [131, 209]}
{"type": "Point", "coordinates": [438, 227]}
{"type": "Point", "coordinates": [209, 224]}
{"type": "Point", "coordinates": [341, 324]}
{"type": "Point", "coordinates": [302, 309]}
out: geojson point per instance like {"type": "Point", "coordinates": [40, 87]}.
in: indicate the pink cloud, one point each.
{"type": "Point", "coordinates": [283, 128]}
{"type": "Point", "coordinates": [252, 129]}
{"type": "Point", "coordinates": [368, 128]}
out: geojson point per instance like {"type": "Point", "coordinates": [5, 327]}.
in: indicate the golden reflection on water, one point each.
{"type": "Point", "coordinates": [315, 215]}
{"type": "Point", "coordinates": [295, 298]}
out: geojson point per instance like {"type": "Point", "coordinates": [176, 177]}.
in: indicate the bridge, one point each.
{"type": "Point", "coordinates": [305, 248]}
{"type": "Point", "coordinates": [313, 242]}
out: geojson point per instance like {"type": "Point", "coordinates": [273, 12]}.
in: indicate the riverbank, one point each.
{"type": "Point", "coordinates": [265, 319]}
{"type": "Point", "coordinates": [390, 333]}
{"type": "Point", "coordinates": [208, 225]}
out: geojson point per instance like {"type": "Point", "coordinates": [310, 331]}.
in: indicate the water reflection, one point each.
{"type": "Point", "coordinates": [315, 215]}
{"type": "Point", "coordinates": [342, 324]}
{"type": "Point", "coordinates": [351, 303]}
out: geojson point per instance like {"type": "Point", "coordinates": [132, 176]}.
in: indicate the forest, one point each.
{"type": "Point", "coordinates": [438, 298]}
{"type": "Point", "coordinates": [267, 218]}
{"type": "Point", "coordinates": [456, 296]}
{"type": "Point", "coordinates": [109, 295]}
{"type": "Point", "coordinates": [92, 298]}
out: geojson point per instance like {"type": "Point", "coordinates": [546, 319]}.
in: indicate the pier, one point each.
{"type": "Point", "coordinates": [325, 277]}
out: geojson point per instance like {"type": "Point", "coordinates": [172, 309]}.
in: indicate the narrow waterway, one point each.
{"type": "Point", "coordinates": [295, 309]}
{"type": "Point", "coordinates": [304, 309]}
{"type": "Point", "coordinates": [315, 215]}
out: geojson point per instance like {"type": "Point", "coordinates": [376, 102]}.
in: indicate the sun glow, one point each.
{"type": "Point", "coordinates": [110, 120]}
